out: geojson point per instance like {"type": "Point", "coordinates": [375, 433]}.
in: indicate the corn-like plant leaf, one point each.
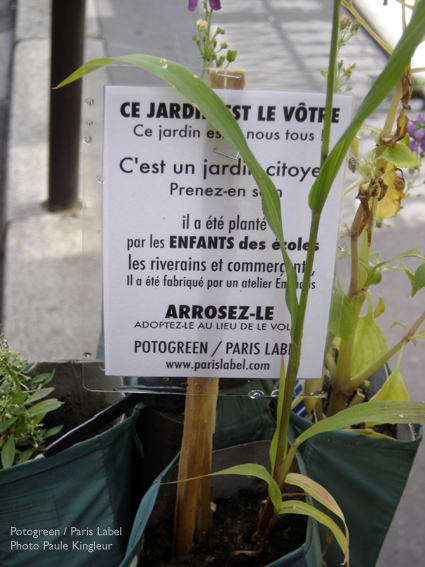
{"type": "Point", "coordinates": [8, 453]}
{"type": "Point", "coordinates": [297, 507]}
{"type": "Point", "coordinates": [396, 65]}
{"type": "Point", "coordinates": [249, 469]}
{"type": "Point", "coordinates": [252, 469]}
{"type": "Point", "coordinates": [376, 412]}
{"type": "Point", "coordinates": [217, 113]}
{"type": "Point", "coordinates": [315, 490]}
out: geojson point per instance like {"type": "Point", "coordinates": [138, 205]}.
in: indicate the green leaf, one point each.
{"type": "Point", "coordinates": [8, 453]}
{"type": "Point", "coordinates": [377, 412]}
{"type": "Point", "coordinates": [18, 398]}
{"type": "Point", "coordinates": [405, 327]}
{"type": "Point", "coordinates": [317, 491]}
{"type": "Point", "coordinates": [370, 344]}
{"type": "Point", "coordinates": [392, 389]}
{"type": "Point", "coordinates": [39, 395]}
{"type": "Point", "coordinates": [252, 469]}
{"type": "Point", "coordinates": [395, 67]}
{"type": "Point", "coordinates": [418, 279]}
{"type": "Point", "coordinates": [44, 407]}
{"type": "Point", "coordinates": [217, 113]}
{"type": "Point", "coordinates": [411, 253]}
{"type": "Point", "coordinates": [46, 377]}
{"type": "Point", "coordinates": [297, 507]}
{"type": "Point", "coordinates": [53, 431]}
{"type": "Point", "coordinates": [401, 156]}
{"type": "Point", "coordinates": [7, 423]}
{"type": "Point", "coordinates": [374, 277]}
{"type": "Point", "coordinates": [25, 456]}
{"type": "Point", "coordinates": [401, 267]}
{"type": "Point", "coordinates": [343, 316]}
{"type": "Point", "coordinates": [380, 308]}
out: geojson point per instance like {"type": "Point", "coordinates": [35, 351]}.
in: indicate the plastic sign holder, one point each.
{"type": "Point", "coordinates": [183, 276]}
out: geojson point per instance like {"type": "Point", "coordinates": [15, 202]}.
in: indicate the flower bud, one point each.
{"type": "Point", "coordinates": [231, 55]}
{"type": "Point", "coordinates": [344, 21]}
{"type": "Point", "coordinates": [201, 25]}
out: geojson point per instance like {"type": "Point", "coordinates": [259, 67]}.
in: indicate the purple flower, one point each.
{"type": "Point", "coordinates": [413, 145]}
{"type": "Point", "coordinates": [411, 128]}
{"type": "Point", "coordinates": [416, 130]}
{"type": "Point", "coordinates": [214, 4]}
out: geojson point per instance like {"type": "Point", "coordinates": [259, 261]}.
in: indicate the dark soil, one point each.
{"type": "Point", "coordinates": [235, 521]}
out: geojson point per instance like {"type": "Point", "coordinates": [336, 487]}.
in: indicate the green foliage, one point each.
{"type": "Point", "coordinates": [309, 486]}
{"type": "Point", "coordinates": [343, 317]}
{"type": "Point", "coordinates": [369, 343]}
{"type": "Point", "coordinates": [212, 50]}
{"type": "Point", "coordinates": [346, 30]}
{"type": "Point", "coordinates": [418, 281]}
{"type": "Point", "coordinates": [396, 65]}
{"type": "Point", "coordinates": [21, 429]}
{"type": "Point", "coordinates": [401, 156]}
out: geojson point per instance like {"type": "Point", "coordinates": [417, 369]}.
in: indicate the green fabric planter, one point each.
{"type": "Point", "coordinates": [92, 486]}
{"type": "Point", "coordinates": [366, 476]}
{"type": "Point", "coordinates": [308, 555]}
{"type": "Point", "coordinates": [86, 486]}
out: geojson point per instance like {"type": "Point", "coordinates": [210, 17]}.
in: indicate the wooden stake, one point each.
{"type": "Point", "coordinates": [193, 508]}
{"type": "Point", "coordinates": [193, 515]}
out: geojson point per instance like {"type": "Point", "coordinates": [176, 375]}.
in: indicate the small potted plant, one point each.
{"type": "Point", "coordinates": [78, 487]}
{"type": "Point", "coordinates": [22, 409]}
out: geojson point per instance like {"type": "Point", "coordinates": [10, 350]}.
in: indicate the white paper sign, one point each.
{"type": "Point", "coordinates": [194, 279]}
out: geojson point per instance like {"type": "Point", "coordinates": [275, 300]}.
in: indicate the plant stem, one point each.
{"type": "Point", "coordinates": [295, 352]}
{"type": "Point", "coordinates": [208, 18]}
{"type": "Point", "coordinates": [342, 385]}
{"type": "Point", "coordinates": [298, 324]}
{"type": "Point", "coordinates": [280, 470]}
{"type": "Point", "coordinates": [330, 89]}
{"type": "Point", "coordinates": [366, 26]}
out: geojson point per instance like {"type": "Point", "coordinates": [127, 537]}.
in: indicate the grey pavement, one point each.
{"type": "Point", "coordinates": [282, 44]}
